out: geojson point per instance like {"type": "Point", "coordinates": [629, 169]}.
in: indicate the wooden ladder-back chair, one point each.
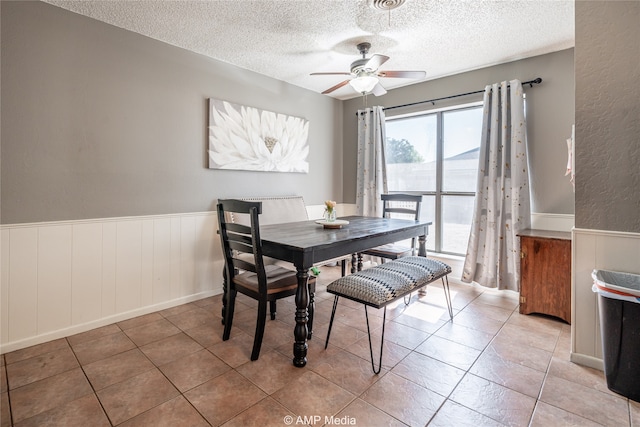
{"type": "Point", "coordinates": [391, 206]}
{"type": "Point", "coordinates": [249, 275]}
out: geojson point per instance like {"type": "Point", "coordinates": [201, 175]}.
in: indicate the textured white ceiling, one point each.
{"type": "Point", "coordinates": [289, 39]}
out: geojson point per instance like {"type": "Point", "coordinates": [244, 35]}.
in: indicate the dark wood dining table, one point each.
{"type": "Point", "coordinates": [307, 243]}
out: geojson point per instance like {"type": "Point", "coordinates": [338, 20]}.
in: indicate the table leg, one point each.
{"type": "Point", "coordinates": [300, 331]}
{"type": "Point", "coordinates": [422, 251]}
{"type": "Point", "coordinates": [422, 245]}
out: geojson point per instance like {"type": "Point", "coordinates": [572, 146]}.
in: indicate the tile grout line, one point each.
{"type": "Point", "coordinates": [547, 375]}
{"type": "Point", "coordinates": [95, 393]}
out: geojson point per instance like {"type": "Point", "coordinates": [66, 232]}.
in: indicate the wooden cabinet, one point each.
{"type": "Point", "coordinates": [545, 273]}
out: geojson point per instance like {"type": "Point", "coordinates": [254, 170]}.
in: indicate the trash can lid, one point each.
{"type": "Point", "coordinates": [625, 284]}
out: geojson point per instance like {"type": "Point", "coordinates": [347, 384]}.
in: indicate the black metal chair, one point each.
{"type": "Point", "coordinates": [391, 205]}
{"type": "Point", "coordinates": [248, 274]}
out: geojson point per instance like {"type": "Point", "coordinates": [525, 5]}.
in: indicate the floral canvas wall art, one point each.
{"type": "Point", "coordinates": [247, 138]}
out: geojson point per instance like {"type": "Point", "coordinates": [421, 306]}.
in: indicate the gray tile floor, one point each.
{"type": "Point", "coordinates": [489, 367]}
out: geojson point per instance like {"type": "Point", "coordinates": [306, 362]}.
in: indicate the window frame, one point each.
{"type": "Point", "coordinates": [439, 193]}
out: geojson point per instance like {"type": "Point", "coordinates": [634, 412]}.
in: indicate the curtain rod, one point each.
{"type": "Point", "coordinates": [530, 83]}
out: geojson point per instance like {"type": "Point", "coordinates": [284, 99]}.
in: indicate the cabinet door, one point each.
{"type": "Point", "coordinates": [545, 285]}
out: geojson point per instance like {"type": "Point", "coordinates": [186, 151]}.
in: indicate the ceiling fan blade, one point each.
{"type": "Point", "coordinates": [331, 73]}
{"type": "Point", "coordinates": [375, 61]}
{"type": "Point", "coordinates": [403, 74]}
{"type": "Point", "coordinates": [378, 90]}
{"type": "Point", "coordinates": [338, 86]}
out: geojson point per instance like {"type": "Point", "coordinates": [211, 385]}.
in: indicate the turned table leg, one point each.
{"type": "Point", "coordinates": [300, 331]}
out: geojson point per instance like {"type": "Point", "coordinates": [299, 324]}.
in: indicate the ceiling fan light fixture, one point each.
{"type": "Point", "coordinates": [364, 84]}
{"type": "Point", "coordinates": [364, 73]}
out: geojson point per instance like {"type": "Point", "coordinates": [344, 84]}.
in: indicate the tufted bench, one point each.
{"type": "Point", "coordinates": [385, 283]}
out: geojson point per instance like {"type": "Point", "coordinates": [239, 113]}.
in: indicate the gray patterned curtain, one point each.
{"type": "Point", "coordinates": [372, 173]}
{"type": "Point", "coordinates": [502, 207]}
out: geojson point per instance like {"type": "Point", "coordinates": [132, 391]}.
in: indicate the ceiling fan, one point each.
{"type": "Point", "coordinates": [365, 73]}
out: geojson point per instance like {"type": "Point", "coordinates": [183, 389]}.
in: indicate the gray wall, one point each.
{"type": "Point", "coordinates": [550, 115]}
{"type": "Point", "coordinates": [101, 122]}
{"type": "Point", "coordinates": [608, 115]}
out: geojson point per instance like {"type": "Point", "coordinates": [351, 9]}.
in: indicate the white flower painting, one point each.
{"type": "Point", "coordinates": [247, 138]}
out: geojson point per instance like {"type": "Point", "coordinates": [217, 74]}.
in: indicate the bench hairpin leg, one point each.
{"type": "Point", "coordinates": [447, 295]}
{"type": "Point", "coordinates": [384, 318]}
{"type": "Point", "coordinates": [333, 313]}
{"type": "Point", "coordinates": [407, 299]}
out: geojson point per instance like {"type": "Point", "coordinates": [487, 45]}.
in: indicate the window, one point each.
{"type": "Point", "coordinates": [436, 154]}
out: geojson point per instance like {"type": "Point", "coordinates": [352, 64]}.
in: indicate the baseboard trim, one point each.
{"type": "Point", "coordinates": [76, 329]}
{"type": "Point", "coordinates": [588, 361]}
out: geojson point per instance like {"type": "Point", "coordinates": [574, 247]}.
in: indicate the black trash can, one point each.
{"type": "Point", "coordinates": [619, 305]}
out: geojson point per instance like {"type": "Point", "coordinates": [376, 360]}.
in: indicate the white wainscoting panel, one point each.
{"type": "Point", "coordinates": [23, 283]}
{"type": "Point", "coordinates": [174, 257]}
{"type": "Point", "coordinates": [146, 273]}
{"type": "Point", "coordinates": [54, 277]}
{"type": "Point", "coordinates": [109, 251]}
{"type": "Point", "coordinates": [4, 279]}
{"type": "Point", "coordinates": [161, 290]}
{"type": "Point", "coordinates": [128, 265]}
{"type": "Point", "coordinates": [603, 250]}
{"type": "Point", "coordinates": [86, 273]}
{"type": "Point", "coordinates": [206, 249]}
{"type": "Point", "coordinates": [187, 255]}
{"type": "Point", "coordinates": [67, 277]}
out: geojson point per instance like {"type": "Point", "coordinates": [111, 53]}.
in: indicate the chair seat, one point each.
{"type": "Point", "coordinates": [390, 251]}
{"type": "Point", "coordinates": [278, 279]}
